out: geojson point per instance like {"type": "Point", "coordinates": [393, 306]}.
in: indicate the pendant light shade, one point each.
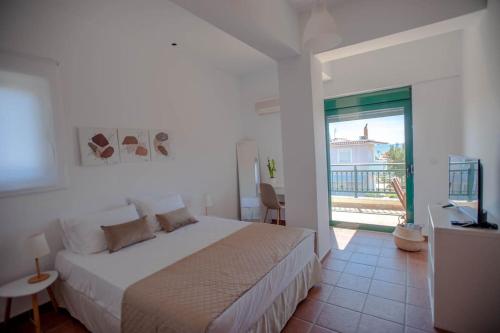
{"type": "Point", "coordinates": [320, 32]}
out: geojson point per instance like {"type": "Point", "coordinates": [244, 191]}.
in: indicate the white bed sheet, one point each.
{"type": "Point", "coordinates": [103, 277]}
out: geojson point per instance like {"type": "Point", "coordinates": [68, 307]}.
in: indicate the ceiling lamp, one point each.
{"type": "Point", "coordinates": [320, 33]}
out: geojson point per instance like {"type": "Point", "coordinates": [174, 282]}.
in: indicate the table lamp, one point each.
{"type": "Point", "coordinates": [208, 202]}
{"type": "Point", "coordinates": [38, 247]}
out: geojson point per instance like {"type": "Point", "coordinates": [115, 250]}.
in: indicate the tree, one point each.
{"type": "Point", "coordinates": [396, 154]}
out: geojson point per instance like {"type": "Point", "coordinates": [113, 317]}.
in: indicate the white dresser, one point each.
{"type": "Point", "coordinates": [464, 274]}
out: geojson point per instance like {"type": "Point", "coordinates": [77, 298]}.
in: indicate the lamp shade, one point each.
{"type": "Point", "coordinates": [320, 32]}
{"type": "Point", "coordinates": [208, 200]}
{"type": "Point", "coordinates": [37, 246]}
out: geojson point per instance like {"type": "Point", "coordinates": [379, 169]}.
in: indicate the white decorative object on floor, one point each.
{"type": "Point", "coordinates": [22, 287]}
{"type": "Point", "coordinates": [464, 273]}
{"type": "Point", "coordinates": [408, 237]}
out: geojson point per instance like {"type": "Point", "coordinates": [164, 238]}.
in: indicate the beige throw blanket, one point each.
{"type": "Point", "coordinates": [190, 294]}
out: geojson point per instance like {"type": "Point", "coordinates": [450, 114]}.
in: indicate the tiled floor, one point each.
{"type": "Point", "coordinates": [52, 322]}
{"type": "Point", "coordinates": [368, 286]}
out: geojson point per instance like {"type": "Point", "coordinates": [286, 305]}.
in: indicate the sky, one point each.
{"type": "Point", "coordinates": [386, 129]}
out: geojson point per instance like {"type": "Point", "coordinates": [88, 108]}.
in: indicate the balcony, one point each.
{"type": "Point", "coordinates": [363, 194]}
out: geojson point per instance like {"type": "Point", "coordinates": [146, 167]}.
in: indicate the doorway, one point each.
{"type": "Point", "coordinates": [370, 159]}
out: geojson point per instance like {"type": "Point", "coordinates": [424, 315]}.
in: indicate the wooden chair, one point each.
{"type": "Point", "coordinates": [396, 183]}
{"type": "Point", "coordinates": [270, 200]}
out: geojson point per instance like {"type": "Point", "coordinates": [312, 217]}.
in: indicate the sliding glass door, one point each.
{"type": "Point", "coordinates": [370, 159]}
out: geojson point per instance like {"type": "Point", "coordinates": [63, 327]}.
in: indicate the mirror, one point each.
{"type": "Point", "coordinates": [248, 180]}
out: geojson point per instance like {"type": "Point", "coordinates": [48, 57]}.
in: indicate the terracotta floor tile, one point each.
{"type": "Point", "coordinates": [390, 275]}
{"type": "Point", "coordinates": [319, 329]}
{"type": "Point", "coordinates": [330, 277]}
{"type": "Point", "coordinates": [340, 254]}
{"type": "Point", "coordinates": [417, 281]}
{"type": "Point", "coordinates": [418, 317]}
{"type": "Point", "coordinates": [69, 327]}
{"type": "Point", "coordinates": [352, 247]}
{"type": "Point", "coordinates": [339, 319]}
{"type": "Point", "coordinates": [393, 253]}
{"type": "Point", "coordinates": [360, 269]}
{"type": "Point", "coordinates": [370, 324]}
{"type": "Point", "coordinates": [308, 310]}
{"type": "Point", "coordinates": [60, 322]}
{"type": "Point", "coordinates": [335, 264]}
{"type": "Point", "coordinates": [393, 263]}
{"type": "Point", "coordinates": [385, 309]}
{"type": "Point", "coordinates": [320, 292]}
{"type": "Point", "coordinates": [367, 249]}
{"type": "Point", "coordinates": [354, 282]}
{"type": "Point", "coordinates": [296, 325]}
{"type": "Point", "coordinates": [389, 243]}
{"type": "Point", "coordinates": [367, 240]}
{"type": "Point", "coordinates": [413, 330]}
{"type": "Point", "coordinates": [366, 259]}
{"type": "Point", "coordinates": [418, 257]}
{"type": "Point", "coordinates": [418, 297]}
{"type": "Point", "coordinates": [394, 291]}
{"type": "Point", "coordinates": [347, 298]}
{"type": "Point", "coordinates": [414, 268]}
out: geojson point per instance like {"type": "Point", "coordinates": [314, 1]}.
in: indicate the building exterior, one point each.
{"type": "Point", "coordinates": [361, 151]}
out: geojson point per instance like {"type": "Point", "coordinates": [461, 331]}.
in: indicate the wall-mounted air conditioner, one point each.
{"type": "Point", "coordinates": [267, 106]}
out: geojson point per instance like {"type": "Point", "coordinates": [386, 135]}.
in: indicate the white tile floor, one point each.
{"type": "Point", "coordinates": [353, 215]}
{"type": "Point", "coordinates": [368, 286]}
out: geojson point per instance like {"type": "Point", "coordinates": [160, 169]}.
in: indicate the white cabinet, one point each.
{"type": "Point", "coordinates": [464, 274]}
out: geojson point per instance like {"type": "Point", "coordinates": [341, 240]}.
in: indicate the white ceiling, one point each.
{"type": "Point", "coordinates": [303, 5]}
{"type": "Point", "coordinates": [167, 22]}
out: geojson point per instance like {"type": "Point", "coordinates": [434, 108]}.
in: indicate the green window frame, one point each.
{"type": "Point", "coordinates": [361, 105]}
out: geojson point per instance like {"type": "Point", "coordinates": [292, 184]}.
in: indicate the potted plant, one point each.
{"type": "Point", "coordinates": [271, 168]}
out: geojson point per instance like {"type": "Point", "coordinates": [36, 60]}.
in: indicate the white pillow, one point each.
{"type": "Point", "coordinates": [150, 206]}
{"type": "Point", "coordinates": [83, 234]}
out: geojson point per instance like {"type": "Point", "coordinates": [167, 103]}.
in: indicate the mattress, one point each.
{"type": "Point", "coordinates": [103, 277]}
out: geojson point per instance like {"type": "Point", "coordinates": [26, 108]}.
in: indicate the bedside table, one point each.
{"type": "Point", "coordinates": [21, 287]}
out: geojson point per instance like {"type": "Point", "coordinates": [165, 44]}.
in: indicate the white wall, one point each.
{"type": "Point", "coordinates": [116, 78]}
{"type": "Point", "coordinates": [265, 129]}
{"type": "Point", "coordinates": [432, 67]}
{"type": "Point", "coordinates": [304, 154]}
{"type": "Point", "coordinates": [481, 86]}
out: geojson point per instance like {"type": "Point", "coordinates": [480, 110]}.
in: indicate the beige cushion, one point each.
{"type": "Point", "coordinates": [121, 235]}
{"type": "Point", "coordinates": [175, 219]}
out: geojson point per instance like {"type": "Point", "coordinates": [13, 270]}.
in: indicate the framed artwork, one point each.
{"type": "Point", "coordinates": [159, 141]}
{"type": "Point", "coordinates": [98, 146]}
{"type": "Point", "coordinates": [134, 145]}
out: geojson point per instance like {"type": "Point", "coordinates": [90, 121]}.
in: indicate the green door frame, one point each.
{"type": "Point", "coordinates": [385, 99]}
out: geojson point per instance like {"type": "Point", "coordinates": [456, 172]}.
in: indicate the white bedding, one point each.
{"type": "Point", "coordinates": [103, 277]}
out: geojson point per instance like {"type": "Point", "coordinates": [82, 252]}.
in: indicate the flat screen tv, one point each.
{"type": "Point", "coordinates": [465, 186]}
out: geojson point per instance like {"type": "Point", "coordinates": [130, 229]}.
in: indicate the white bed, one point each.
{"type": "Point", "coordinates": [92, 286]}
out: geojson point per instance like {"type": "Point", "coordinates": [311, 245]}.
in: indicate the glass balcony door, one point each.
{"type": "Point", "coordinates": [370, 160]}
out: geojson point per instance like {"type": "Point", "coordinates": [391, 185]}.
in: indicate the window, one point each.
{"type": "Point", "coordinates": [344, 155]}
{"type": "Point", "coordinates": [28, 154]}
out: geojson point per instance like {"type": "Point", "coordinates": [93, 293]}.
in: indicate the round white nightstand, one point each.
{"type": "Point", "coordinates": [21, 287]}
